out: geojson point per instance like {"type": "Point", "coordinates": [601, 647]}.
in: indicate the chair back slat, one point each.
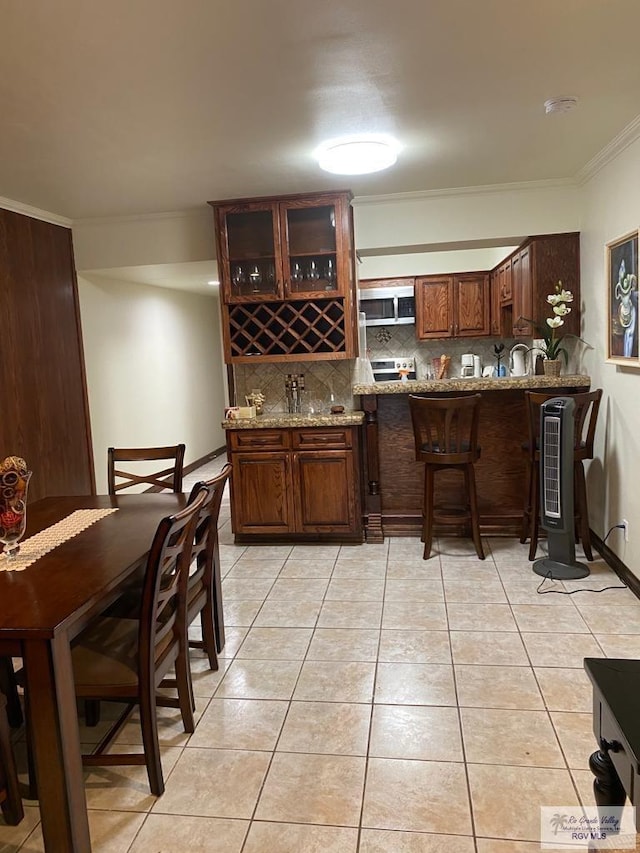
{"type": "Point", "coordinates": [205, 546]}
{"type": "Point", "coordinates": [163, 620]}
{"type": "Point", "coordinates": [167, 478]}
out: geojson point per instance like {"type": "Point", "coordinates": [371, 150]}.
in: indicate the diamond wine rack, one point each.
{"type": "Point", "coordinates": [292, 328]}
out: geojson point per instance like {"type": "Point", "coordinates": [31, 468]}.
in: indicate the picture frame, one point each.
{"type": "Point", "coordinates": [623, 340]}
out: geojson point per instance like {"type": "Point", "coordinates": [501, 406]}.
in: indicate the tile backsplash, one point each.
{"type": "Point", "coordinates": [329, 382]}
{"type": "Point", "coordinates": [394, 341]}
{"type": "Point", "coordinates": [326, 383]}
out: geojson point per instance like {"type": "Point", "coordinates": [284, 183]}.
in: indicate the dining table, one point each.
{"type": "Point", "coordinates": [43, 607]}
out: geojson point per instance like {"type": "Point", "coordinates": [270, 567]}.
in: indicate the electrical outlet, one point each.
{"type": "Point", "coordinates": [625, 525]}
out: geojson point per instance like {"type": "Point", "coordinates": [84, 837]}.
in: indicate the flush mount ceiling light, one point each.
{"type": "Point", "coordinates": [359, 155]}
{"type": "Point", "coordinates": [560, 105]}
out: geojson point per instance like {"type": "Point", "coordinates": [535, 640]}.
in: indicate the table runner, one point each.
{"type": "Point", "coordinates": [37, 546]}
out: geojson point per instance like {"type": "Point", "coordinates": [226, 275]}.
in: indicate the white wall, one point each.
{"type": "Point", "coordinates": [611, 208]}
{"type": "Point", "coordinates": [154, 368]}
{"type": "Point", "coordinates": [465, 216]}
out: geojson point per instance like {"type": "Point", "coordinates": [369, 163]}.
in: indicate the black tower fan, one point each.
{"type": "Point", "coordinates": [556, 491]}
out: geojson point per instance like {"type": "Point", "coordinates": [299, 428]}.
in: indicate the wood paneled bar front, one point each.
{"type": "Point", "coordinates": [394, 480]}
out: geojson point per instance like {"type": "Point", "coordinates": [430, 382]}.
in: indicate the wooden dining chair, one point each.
{"type": "Point", "coordinates": [204, 593]}
{"type": "Point", "coordinates": [167, 478]}
{"type": "Point", "coordinates": [125, 660]}
{"type": "Point", "coordinates": [10, 799]}
{"type": "Point", "coordinates": [9, 687]}
{"type": "Point", "coordinates": [585, 414]}
{"type": "Point", "coordinates": [205, 581]}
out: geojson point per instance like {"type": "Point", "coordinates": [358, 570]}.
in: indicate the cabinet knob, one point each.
{"type": "Point", "coordinates": [610, 745]}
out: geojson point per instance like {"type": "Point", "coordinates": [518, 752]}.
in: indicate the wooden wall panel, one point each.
{"type": "Point", "coordinates": [43, 402]}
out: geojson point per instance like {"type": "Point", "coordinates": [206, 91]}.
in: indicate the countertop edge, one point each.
{"type": "Point", "coordinates": [278, 421]}
{"type": "Point", "coordinates": [508, 383]}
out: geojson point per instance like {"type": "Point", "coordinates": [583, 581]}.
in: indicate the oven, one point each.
{"type": "Point", "coordinates": [388, 369]}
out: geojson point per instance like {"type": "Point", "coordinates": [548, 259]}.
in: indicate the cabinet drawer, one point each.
{"type": "Point", "coordinates": [622, 757]}
{"type": "Point", "coordinates": [332, 438]}
{"type": "Point", "coordinates": [259, 439]}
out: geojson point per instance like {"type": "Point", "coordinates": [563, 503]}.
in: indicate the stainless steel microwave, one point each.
{"type": "Point", "coordinates": [388, 306]}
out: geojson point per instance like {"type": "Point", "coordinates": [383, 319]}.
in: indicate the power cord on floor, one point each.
{"type": "Point", "coordinates": [549, 576]}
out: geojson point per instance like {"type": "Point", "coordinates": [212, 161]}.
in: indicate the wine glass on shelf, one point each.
{"type": "Point", "coordinates": [297, 276]}
{"type": "Point", "coordinates": [238, 277]}
{"type": "Point", "coordinates": [270, 277]}
{"type": "Point", "coordinates": [330, 275]}
{"type": "Point", "coordinates": [313, 273]}
{"type": "Point", "coordinates": [255, 277]}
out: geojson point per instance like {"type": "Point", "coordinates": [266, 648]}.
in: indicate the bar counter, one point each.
{"type": "Point", "coordinates": [394, 480]}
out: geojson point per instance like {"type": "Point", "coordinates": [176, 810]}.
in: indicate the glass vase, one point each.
{"type": "Point", "coordinates": [14, 482]}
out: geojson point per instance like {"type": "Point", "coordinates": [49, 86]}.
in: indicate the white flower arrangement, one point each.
{"type": "Point", "coordinates": [552, 347]}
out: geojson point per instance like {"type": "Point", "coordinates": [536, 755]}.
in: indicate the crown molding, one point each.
{"type": "Point", "coordinates": [34, 212]}
{"type": "Point", "coordinates": [614, 148]}
{"type": "Point", "coordinates": [188, 213]}
{"type": "Point", "coordinates": [521, 186]}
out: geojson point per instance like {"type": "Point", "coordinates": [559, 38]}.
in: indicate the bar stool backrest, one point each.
{"type": "Point", "coordinates": [585, 414]}
{"type": "Point", "coordinates": [445, 429]}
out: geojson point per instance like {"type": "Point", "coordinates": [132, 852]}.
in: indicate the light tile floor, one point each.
{"type": "Point", "coordinates": [370, 701]}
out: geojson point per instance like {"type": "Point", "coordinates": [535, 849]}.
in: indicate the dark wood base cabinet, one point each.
{"type": "Point", "coordinates": [295, 484]}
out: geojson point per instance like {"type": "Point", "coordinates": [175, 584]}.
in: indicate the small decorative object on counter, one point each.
{"type": "Point", "coordinates": [256, 398]}
{"type": "Point", "coordinates": [441, 367]}
{"type": "Point", "coordinates": [498, 349]}
{"type": "Point", "coordinates": [14, 482]}
{"type": "Point", "coordinates": [337, 410]}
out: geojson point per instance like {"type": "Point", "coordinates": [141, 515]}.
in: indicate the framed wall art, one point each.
{"type": "Point", "coordinates": [622, 300]}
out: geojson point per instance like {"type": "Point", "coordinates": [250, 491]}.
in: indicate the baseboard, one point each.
{"type": "Point", "coordinates": [613, 561]}
{"type": "Point", "coordinates": [204, 459]}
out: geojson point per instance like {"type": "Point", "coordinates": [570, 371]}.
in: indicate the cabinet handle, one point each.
{"type": "Point", "coordinates": [610, 745]}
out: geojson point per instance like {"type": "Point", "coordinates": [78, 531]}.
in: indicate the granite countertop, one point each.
{"type": "Point", "coordinates": [283, 419]}
{"type": "Point", "coordinates": [507, 383]}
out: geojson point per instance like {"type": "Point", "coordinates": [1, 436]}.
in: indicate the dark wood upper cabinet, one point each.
{"type": "Point", "coordinates": [472, 305]}
{"type": "Point", "coordinates": [284, 248]}
{"type": "Point", "coordinates": [538, 266]}
{"type": "Point", "coordinates": [452, 306]}
{"type": "Point", "coordinates": [434, 307]}
{"type": "Point", "coordinates": [286, 269]}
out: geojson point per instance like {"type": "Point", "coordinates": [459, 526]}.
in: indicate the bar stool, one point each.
{"type": "Point", "coordinates": [445, 431]}
{"type": "Point", "coordinates": [585, 415]}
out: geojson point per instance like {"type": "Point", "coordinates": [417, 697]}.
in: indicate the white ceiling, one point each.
{"type": "Point", "coordinates": [120, 108]}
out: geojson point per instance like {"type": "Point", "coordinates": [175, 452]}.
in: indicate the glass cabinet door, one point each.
{"type": "Point", "coordinates": [251, 268]}
{"type": "Point", "coordinates": [312, 245]}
